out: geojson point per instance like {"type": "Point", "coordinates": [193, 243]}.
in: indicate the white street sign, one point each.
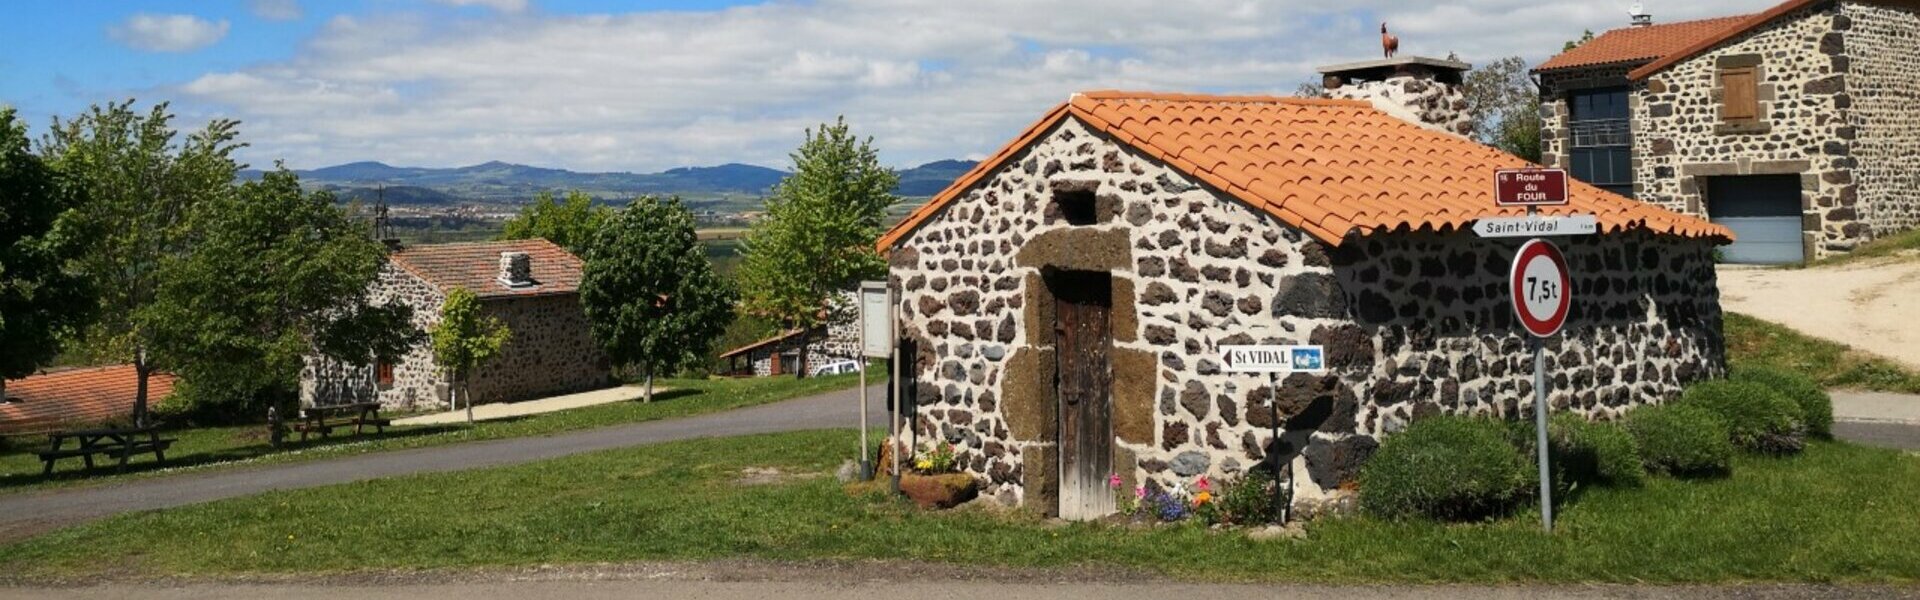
{"type": "Point", "coordinates": [1273, 359]}
{"type": "Point", "coordinates": [1536, 226]}
{"type": "Point", "coordinates": [876, 322]}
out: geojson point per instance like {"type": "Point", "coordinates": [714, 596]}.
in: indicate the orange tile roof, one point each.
{"type": "Point", "coordinates": [784, 336]}
{"type": "Point", "coordinates": [1637, 44]}
{"type": "Point", "coordinates": [1741, 25]}
{"type": "Point", "coordinates": [1328, 167]}
{"type": "Point", "coordinates": [76, 398]}
{"type": "Point", "coordinates": [476, 267]}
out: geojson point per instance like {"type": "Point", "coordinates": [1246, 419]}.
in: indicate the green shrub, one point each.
{"type": "Point", "coordinates": [1447, 468]}
{"type": "Point", "coordinates": [1594, 453]}
{"type": "Point", "coordinates": [1757, 417]}
{"type": "Point", "coordinates": [1681, 439]}
{"type": "Point", "coordinates": [1816, 407]}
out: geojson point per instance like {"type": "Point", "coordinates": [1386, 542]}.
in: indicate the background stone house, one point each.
{"type": "Point", "coordinates": [839, 339]}
{"type": "Point", "coordinates": [1062, 304]}
{"type": "Point", "coordinates": [531, 285]}
{"type": "Point", "coordinates": [1798, 127]}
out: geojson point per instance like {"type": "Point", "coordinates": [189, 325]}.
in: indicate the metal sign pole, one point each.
{"type": "Point", "coordinates": [1273, 405]}
{"type": "Point", "coordinates": [1540, 420]}
{"type": "Point", "coordinates": [866, 464]}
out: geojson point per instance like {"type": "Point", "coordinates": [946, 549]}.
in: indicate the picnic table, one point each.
{"type": "Point", "coordinates": [112, 443]}
{"type": "Point", "coordinates": [324, 419]}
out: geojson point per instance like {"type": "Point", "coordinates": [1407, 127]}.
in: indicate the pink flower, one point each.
{"type": "Point", "coordinates": [1201, 484]}
{"type": "Point", "coordinates": [1139, 491]}
{"type": "Point", "coordinates": [1113, 480]}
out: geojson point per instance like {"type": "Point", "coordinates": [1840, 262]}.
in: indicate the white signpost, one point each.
{"type": "Point", "coordinates": [1536, 226]}
{"type": "Point", "coordinates": [876, 341]}
{"type": "Point", "coordinates": [1275, 360]}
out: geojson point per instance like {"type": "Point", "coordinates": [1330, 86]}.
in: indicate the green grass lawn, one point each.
{"type": "Point", "coordinates": [1836, 513]}
{"type": "Point", "coordinates": [1751, 341]}
{"type": "Point", "coordinates": [217, 446]}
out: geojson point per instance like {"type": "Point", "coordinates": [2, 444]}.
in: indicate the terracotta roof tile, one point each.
{"type": "Point", "coordinates": [1740, 26]}
{"type": "Point", "coordinates": [476, 267]}
{"type": "Point", "coordinates": [1332, 168]}
{"type": "Point", "coordinates": [76, 398]}
{"type": "Point", "coordinates": [1639, 44]}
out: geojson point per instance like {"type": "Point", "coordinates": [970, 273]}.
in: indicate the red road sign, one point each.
{"type": "Point", "coordinates": [1542, 290]}
{"type": "Point", "coordinates": [1530, 187]}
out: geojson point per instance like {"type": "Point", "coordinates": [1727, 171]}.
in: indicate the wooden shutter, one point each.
{"type": "Point", "coordinates": [384, 374]}
{"type": "Point", "coordinates": [1740, 94]}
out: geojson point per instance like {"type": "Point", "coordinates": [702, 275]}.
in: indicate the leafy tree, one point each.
{"type": "Point", "coordinates": [1576, 43]}
{"type": "Point", "coordinates": [571, 224]}
{"type": "Point", "coordinates": [141, 186]}
{"type": "Point", "coordinates": [649, 291]}
{"type": "Point", "coordinates": [818, 235]}
{"type": "Point", "coordinates": [464, 340]}
{"type": "Point", "coordinates": [43, 299]}
{"type": "Point", "coordinates": [1505, 106]}
{"type": "Point", "coordinates": [1310, 89]}
{"type": "Point", "coordinates": [271, 274]}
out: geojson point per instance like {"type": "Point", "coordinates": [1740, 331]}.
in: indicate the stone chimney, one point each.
{"type": "Point", "coordinates": [516, 269]}
{"type": "Point", "coordinates": [1425, 91]}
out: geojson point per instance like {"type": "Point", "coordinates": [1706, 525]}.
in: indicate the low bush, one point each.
{"type": "Point", "coordinates": [1681, 439]}
{"type": "Point", "coordinates": [1594, 453]}
{"type": "Point", "coordinates": [1757, 417]}
{"type": "Point", "coordinates": [1816, 407]}
{"type": "Point", "coordinates": [1446, 468]}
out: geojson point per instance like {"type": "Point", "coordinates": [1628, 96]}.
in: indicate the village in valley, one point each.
{"type": "Point", "coordinates": [1464, 315]}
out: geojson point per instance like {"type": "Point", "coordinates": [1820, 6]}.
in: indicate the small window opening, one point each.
{"type": "Point", "coordinates": [384, 374]}
{"type": "Point", "coordinates": [1076, 207]}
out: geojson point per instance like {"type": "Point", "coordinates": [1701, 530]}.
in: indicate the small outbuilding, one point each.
{"type": "Point", "coordinates": [1062, 305]}
{"type": "Point", "coordinates": [532, 286]}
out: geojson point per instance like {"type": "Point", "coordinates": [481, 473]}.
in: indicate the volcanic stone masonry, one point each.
{"type": "Point", "coordinates": [1414, 324]}
{"type": "Point", "coordinates": [1840, 103]}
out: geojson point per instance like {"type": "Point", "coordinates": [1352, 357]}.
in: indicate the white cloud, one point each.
{"type": "Point", "coordinates": [928, 80]}
{"type": "Point", "coordinates": [168, 33]}
{"type": "Point", "coordinates": [275, 10]}
{"type": "Point", "coordinates": [499, 5]}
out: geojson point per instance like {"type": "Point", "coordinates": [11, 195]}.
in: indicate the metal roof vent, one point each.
{"type": "Point", "coordinates": [516, 270]}
{"type": "Point", "coordinates": [1639, 15]}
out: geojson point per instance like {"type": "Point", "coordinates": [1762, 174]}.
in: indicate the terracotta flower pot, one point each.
{"type": "Point", "coordinates": [939, 491]}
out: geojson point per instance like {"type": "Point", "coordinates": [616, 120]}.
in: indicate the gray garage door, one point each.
{"type": "Point", "coordinates": [1764, 213]}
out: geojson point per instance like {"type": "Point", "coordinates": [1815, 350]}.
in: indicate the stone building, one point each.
{"type": "Point", "coordinates": [839, 339]}
{"type": "Point", "coordinates": [1063, 303]}
{"type": "Point", "coordinates": [1797, 127]}
{"type": "Point", "coordinates": [533, 286]}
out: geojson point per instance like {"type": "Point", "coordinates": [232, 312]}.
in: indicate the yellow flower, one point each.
{"type": "Point", "coordinates": [1203, 498]}
{"type": "Point", "coordinates": [923, 464]}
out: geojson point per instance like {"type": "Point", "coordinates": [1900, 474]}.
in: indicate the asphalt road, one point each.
{"type": "Point", "coordinates": [27, 514]}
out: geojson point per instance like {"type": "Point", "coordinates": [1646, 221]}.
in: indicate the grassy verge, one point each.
{"type": "Point", "coordinates": [1881, 248]}
{"type": "Point", "coordinates": [218, 446]}
{"type": "Point", "coordinates": [1836, 513]}
{"type": "Point", "coordinates": [1751, 341]}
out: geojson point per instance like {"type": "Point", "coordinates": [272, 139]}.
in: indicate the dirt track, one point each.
{"type": "Point", "coordinates": [1873, 306]}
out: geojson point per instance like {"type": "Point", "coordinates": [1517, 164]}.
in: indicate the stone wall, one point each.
{"type": "Point", "coordinates": [1679, 136]}
{"type": "Point", "coordinates": [417, 382]}
{"type": "Point", "coordinates": [1556, 139]}
{"type": "Point", "coordinates": [1883, 81]}
{"type": "Point", "coordinates": [552, 351]}
{"type": "Point", "coordinates": [1414, 324]}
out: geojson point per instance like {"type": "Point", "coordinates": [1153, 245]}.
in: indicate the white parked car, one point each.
{"type": "Point", "coordinates": [835, 368]}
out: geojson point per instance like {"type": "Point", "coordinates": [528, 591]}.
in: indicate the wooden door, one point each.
{"type": "Point", "coordinates": [1082, 340]}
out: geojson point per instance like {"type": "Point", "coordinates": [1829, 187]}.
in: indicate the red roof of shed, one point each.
{"type": "Point", "coordinates": [76, 397]}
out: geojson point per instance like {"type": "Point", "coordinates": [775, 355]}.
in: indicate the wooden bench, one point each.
{"type": "Point", "coordinates": [323, 420]}
{"type": "Point", "coordinates": [120, 444]}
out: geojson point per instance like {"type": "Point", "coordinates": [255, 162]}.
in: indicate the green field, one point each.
{"type": "Point", "coordinates": [1838, 513]}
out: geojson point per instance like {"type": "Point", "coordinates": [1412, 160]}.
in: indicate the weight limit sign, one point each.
{"type": "Point", "coordinates": [1542, 290]}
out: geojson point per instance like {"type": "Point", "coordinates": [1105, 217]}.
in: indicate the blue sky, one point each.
{"type": "Point", "coordinates": [642, 86]}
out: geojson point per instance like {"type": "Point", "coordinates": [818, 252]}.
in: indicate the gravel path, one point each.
{"type": "Point", "coordinates": [27, 514]}
{"type": "Point", "coordinates": [1870, 305]}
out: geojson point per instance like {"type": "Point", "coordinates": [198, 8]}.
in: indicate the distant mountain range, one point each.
{"type": "Point", "coordinates": [506, 182]}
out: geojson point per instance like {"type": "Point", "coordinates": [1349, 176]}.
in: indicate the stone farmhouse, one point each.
{"type": "Point", "coordinates": [1797, 127]}
{"type": "Point", "coordinates": [1061, 306]}
{"type": "Point", "coordinates": [838, 339]}
{"type": "Point", "coordinates": [533, 286]}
